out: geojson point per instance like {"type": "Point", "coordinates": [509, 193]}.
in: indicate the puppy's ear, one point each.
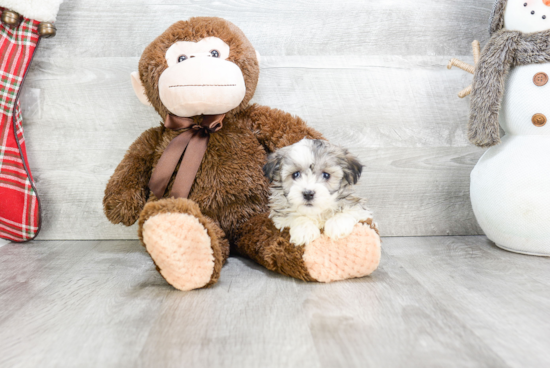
{"type": "Point", "coordinates": [319, 145]}
{"type": "Point", "coordinates": [273, 166]}
{"type": "Point", "coordinates": [352, 168]}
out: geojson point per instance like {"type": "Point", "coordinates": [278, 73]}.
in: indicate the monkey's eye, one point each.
{"type": "Point", "coordinates": [182, 58]}
{"type": "Point", "coordinates": [326, 176]}
{"type": "Point", "coordinates": [215, 53]}
{"type": "Point", "coordinates": [296, 175]}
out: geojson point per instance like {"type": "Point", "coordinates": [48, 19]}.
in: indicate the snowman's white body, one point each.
{"type": "Point", "coordinates": [510, 185]}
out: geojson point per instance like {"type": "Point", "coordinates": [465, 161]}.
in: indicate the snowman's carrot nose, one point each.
{"type": "Point", "coordinates": [546, 2]}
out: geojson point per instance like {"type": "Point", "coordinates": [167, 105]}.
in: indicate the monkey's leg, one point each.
{"type": "Point", "coordinates": [323, 260]}
{"type": "Point", "coordinates": [188, 248]}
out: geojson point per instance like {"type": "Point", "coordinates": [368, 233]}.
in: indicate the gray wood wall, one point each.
{"type": "Point", "coordinates": [369, 74]}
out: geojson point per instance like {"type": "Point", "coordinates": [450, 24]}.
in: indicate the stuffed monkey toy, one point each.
{"type": "Point", "coordinates": [195, 183]}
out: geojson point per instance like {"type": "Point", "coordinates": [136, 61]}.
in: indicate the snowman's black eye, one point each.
{"type": "Point", "coordinates": [182, 58]}
{"type": "Point", "coordinates": [533, 12]}
{"type": "Point", "coordinates": [215, 53]}
{"type": "Point", "coordinates": [544, 17]}
{"type": "Point", "coordinates": [525, 4]}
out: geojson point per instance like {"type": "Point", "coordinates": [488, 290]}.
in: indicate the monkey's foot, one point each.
{"type": "Point", "coordinates": [181, 248]}
{"type": "Point", "coordinates": [357, 255]}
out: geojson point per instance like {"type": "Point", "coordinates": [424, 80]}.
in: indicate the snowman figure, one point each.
{"type": "Point", "coordinates": [510, 185]}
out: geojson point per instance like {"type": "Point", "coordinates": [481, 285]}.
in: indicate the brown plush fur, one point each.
{"type": "Point", "coordinates": [230, 188]}
{"type": "Point", "coordinates": [370, 223]}
{"type": "Point", "coordinates": [271, 247]}
{"type": "Point", "coordinates": [127, 190]}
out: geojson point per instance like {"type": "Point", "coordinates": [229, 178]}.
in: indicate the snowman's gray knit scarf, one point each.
{"type": "Point", "coordinates": [504, 50]}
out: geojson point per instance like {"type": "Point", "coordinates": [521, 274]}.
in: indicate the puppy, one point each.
{"type": "Point", "coordinates": [312, 189]}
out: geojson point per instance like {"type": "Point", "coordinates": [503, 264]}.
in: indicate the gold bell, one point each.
{"type": "Point", "coordinates": [47, 30]}
{"type": "Point", "coordinates": [10, 18]}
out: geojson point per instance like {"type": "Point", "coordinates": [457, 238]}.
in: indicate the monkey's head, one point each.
{"type": "Point", "coordinates": [202, 66]}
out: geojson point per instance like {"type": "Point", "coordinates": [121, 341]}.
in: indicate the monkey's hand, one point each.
{"type": "Point", "coordinates": [124, 207]}
{"type": "Point", "coordinates": [126, 191]}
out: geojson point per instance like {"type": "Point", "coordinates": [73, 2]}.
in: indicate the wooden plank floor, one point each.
{"type": "Point", "coordinates": [434, 302]}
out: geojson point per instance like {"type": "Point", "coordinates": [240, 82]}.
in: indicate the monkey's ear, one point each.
{"type": "Point", "coordinates": [273, 166]}
{"type": "Point", "coordinates": [139, 89]}
{"type": "Point", "coordinates": [258, 56]}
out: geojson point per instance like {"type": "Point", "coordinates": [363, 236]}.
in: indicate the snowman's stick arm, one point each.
{"type": "Point", "coordinates": [461, 65]}
{"type": "Point", "coordinates": [465, 92]}
{"type": "Point", "coordinates": [476, 51]}
{"type": "Point", "coordinates": [476, 47]}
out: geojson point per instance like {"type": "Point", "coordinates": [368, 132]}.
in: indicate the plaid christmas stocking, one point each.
{"type": "Point", "coordinates": [19, 36]}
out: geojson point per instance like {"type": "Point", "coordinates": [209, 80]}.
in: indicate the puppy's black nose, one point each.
{"type": "Point", "coordinates": [308, 195]}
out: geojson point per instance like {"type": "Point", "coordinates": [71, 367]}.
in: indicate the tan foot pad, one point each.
{"type": "Point", "coordinates": [180, 246]}
{"type": "Point", "coordinates": [357, 255]}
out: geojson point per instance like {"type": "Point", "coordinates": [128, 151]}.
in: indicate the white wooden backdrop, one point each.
{"type": "Point", "coordinates": [369, 74]}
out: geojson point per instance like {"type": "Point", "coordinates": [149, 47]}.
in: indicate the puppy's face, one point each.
{"type": "Point", "coordinates": [312, 174]}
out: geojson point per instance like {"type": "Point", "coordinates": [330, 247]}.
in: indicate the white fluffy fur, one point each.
{"type": "Point", "coordinates": [40, 10]}
{"type": "Point", "coordinates": [334, 207]}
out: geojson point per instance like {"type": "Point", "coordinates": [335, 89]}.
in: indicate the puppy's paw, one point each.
{"type": "Point", "coordinates": [304, 234]}
{"type": "Point", "coordinates": [340, 226]}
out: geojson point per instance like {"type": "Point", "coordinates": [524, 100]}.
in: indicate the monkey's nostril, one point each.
{"type": "Point", "coordinates": [308, 195]}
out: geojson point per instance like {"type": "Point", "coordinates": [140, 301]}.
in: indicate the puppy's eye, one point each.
{"type": "Point", "coordinates": [296, 175]}
{"type": "Point", "coordinates": [326, 176]}
{"type": "Point", "coordinates": [182, 58]}
{"type": "Point", "coordinates": [215, 53]}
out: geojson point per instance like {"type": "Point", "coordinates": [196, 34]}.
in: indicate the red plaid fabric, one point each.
{"type": "Point", "coordinates": [19, 205]}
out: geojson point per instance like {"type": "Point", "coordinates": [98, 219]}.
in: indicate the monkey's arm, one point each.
{"type": "Point", "coordinates": [126, 191]}
{"type": "Point", "coordinates": [276, 129]}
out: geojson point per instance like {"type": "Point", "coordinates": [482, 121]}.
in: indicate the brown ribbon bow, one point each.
{"type": "Point", "coordinates": [190, 144]}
